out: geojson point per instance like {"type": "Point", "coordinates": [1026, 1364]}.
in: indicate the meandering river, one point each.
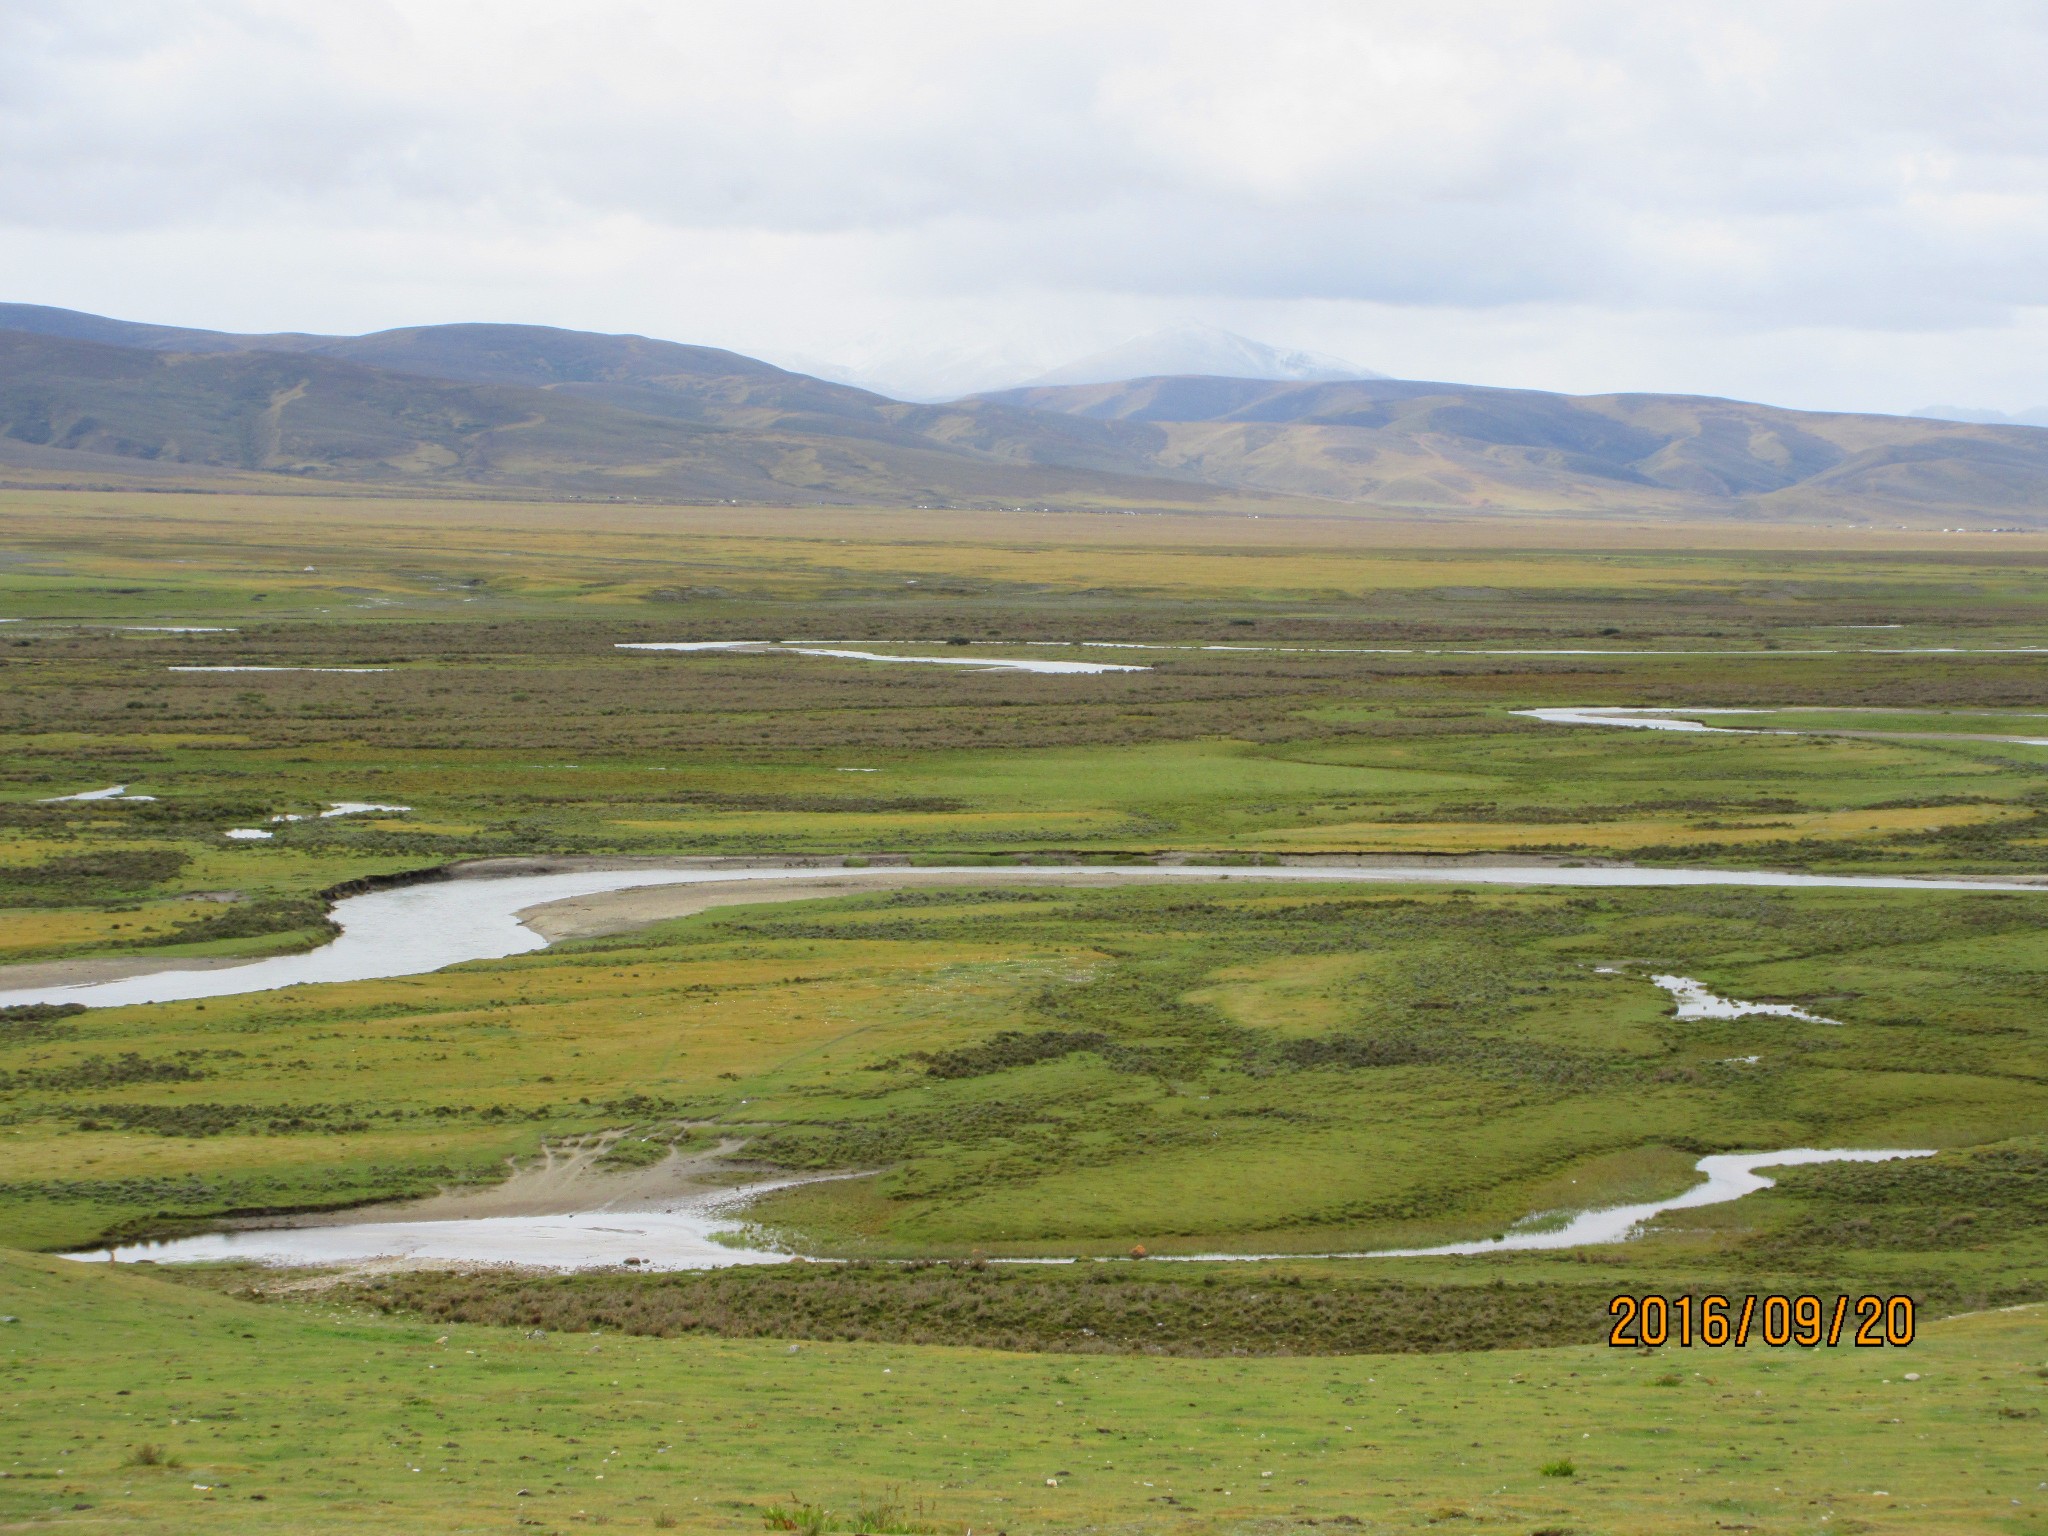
{"type": "Point", "coordinates": [685, 1235]}
{"type": "Point", "coordinates": [410, 930]}
{"type": "Point", "coordinates": [413, 929]}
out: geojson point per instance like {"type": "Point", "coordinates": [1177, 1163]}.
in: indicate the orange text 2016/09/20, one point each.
{"type": "Point", "coordinates": [1717, 1322]}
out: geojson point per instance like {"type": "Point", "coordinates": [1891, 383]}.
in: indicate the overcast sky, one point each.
{"type": "Point", "coordinates": [1815, 203]}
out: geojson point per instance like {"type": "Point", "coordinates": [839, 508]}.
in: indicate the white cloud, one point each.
{"type": "Point", "coordinates": [1822, 201]}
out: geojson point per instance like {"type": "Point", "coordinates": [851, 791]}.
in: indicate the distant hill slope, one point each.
{"type": "Point", "coordinates": [482, 354]}
{"type": "Point", "coordinates": [1411, 443]}
{"type": "Point", "coordinates": [534, 409]}
{"type": "Point", "coordinates": [312, 415]}
{"type": "Point", "coordinates": [76, 325]}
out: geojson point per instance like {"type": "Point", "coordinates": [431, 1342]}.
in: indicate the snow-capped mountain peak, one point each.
{"type": "Point", "coordinates": [1202, 350]}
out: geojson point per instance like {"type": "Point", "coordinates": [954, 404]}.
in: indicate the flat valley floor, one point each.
{"type": "Point", "coordinates": [1013, 1068]}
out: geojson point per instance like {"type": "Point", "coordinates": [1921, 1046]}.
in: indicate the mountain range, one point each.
{"type": "Point", "coordinates": [509, 409]}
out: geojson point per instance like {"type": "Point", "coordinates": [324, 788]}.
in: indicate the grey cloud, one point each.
{"type": "Point", "coordinates": [1875, 165]}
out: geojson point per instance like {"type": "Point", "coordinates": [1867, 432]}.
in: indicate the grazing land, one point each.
{"type": "Point", "coordinates": [1019, 1071]}
{"type": "Point", "coordinates": [404, 1426]}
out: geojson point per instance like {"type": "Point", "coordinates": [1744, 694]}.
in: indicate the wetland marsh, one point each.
{"type": "Point", "coordinates": [1304, 938]}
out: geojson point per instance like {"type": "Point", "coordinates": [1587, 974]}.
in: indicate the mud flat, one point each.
{"type": "Point", "coordinates": [52, 976]}
{"type": "Point", "coordinates": [567, 1178]}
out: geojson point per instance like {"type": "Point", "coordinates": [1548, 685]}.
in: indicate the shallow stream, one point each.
{"type": "Point", "coordinates": [410, 930]}
{"type": "Point", "coordinates": [414, 929]}
{"type": "Point", "coordinates": [684, 1235]}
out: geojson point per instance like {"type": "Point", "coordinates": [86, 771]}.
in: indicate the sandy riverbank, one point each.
{"type": "Point", "coordinates": [609, 912]}
{"type": "Point", "coordinates": [563, 1179]}
{"type": "Point", "coordinates": [78, 973]}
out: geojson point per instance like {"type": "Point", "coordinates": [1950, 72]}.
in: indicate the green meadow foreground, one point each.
{"type": "Point", "coordinates": [1015, 1071]}
{"type": "Point", "coordinates": [132, 1404]}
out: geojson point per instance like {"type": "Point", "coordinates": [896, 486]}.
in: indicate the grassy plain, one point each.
{"type": "Point", "coordinates": [1241, 1068]}
{"type": "Point", "coordinates": [1054, 1071]}
{"type": "Point", "coordinates": [390, 1425]}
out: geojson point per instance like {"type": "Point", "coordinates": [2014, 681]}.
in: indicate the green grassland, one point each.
{"type": "Point", "coordinates": [1243, 1067]}
{"type": "Point", "coordinates": [509, 721]}
{"type": "Point", "coordinates": [405, 1426]}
